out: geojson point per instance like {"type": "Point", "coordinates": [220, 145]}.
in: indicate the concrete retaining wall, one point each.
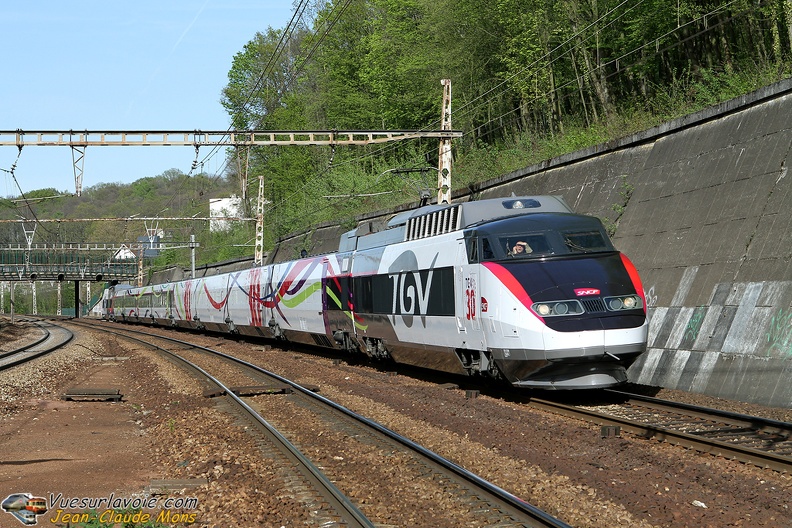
{"type": "Point", "coordinates": [702, 207]}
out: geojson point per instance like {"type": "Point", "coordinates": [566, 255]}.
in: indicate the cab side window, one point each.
{"type": "Point", "coordinates": [486, 249]}
{"type": "Point", "coordinates": [472, 247]}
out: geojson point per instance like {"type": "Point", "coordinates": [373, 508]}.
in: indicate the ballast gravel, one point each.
{"type": "Point", "coordinates": [165, 429]}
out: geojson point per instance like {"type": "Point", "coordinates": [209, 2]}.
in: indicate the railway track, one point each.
{"type": "Point", "coordinates": [249, 389]}
{"type": "Point", "coordinates": [749, 439]}
{"type": "Point", "coordinates": [52, 338]}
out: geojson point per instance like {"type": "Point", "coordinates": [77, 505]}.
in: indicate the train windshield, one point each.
{"type": "Point", "coordinates": [525, 245]}
{"type": "Point", "coordinates": [586, 242]}
{"type": "Point", "coordinates": [539, 245]}
{"type": "Point", "coordinates": [538, 236]}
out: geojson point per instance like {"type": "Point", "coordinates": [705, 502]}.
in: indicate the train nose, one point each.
{"type": "Point", "coordinates": [562, 345]}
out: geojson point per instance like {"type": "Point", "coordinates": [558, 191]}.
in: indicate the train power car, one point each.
{"type": "Point", "coordinates": [519, 289]}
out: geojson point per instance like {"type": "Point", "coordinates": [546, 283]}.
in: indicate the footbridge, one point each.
{"type": "Point", "coordinates": [64, 263]}
{"type": "Point", "coordinates": [68, 262]}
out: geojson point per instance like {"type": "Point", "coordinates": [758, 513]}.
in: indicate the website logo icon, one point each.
{"type": "Point", "coordinates": [25, 507]}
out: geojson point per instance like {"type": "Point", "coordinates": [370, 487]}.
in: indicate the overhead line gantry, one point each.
{"type": "Point", "coordinates": [212, 138]}
{"type": "Point", "coordinates": [80, 140]}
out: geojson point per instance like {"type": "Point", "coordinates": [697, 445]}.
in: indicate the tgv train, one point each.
{"type": "Point", "coordinates": [519, 289]}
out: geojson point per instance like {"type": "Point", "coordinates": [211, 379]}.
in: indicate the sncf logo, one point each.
{"type": "Point", "coordinates": [581, 292]}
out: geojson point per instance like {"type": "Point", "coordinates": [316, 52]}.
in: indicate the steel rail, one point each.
{"type": "Point", "coordinates": [734, 418]}
{"type": "Point", "coordinates": [29, 345]}
{"type": "Point", "coordinates": [28, 353]}
{"type": "Point", "coordinates": [705, 445]}
{"type": "Point", "coordinates": [539, 517]}
{"type": "Point", "coordinates": [336, 497]}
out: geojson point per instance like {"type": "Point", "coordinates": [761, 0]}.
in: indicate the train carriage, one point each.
{"type": "Point", "coordinates": [295, 306]}
{"type": "Point", "coordinates": [159, 304]}
{"type": "Point", "coordinates": [405, 304]}
{"type": "Point", "coordinates": [520, 289]}
{"type": "Point", "coordinates": [205, 302]}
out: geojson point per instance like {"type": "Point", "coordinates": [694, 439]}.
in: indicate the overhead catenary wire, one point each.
{"type": "Point", "coordinates": [280, 47]}
{"type": "Point", "coordinates": [333, 20]}
{"type": "Point", "coordinates": [541, 60]}
{"type": "Point", "coordinates": [267, 69]}
{"type": "Point", "coordinates": [462, 111]}
{"type": "Point", "coordinates": [25, 200]}
{"type": "Point", "coordinates": [296, 16]}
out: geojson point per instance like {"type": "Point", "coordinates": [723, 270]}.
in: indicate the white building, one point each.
{"type": "Point", "coordinates": [224, 207]}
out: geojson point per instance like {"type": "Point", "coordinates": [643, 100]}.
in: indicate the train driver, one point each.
{"type": "Point", "coordinates": [521, 248]}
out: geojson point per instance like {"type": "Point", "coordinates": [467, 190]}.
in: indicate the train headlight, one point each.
{"type": "Point", "coordinates": [623, 302]}
{"type": "Point", "coordinates": [554, 308]}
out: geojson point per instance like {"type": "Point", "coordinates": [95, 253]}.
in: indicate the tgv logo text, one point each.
{"type": "Point", "coordinates": [409, 293]}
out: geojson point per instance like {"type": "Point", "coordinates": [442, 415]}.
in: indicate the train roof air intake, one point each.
{"type": "Point", "coordinates": [435, 223]}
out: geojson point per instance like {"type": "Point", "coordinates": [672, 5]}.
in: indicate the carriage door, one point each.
{"type": "Point", "coordinates": [467, 292]}
{"type": "Point", "coordinates": [169, 315]}
{"type": "Point", "coordinates": [265, 306]}
{"type": "Point", "coordinates": [337, 300]}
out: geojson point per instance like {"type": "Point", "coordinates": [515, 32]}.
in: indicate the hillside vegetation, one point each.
{"type": "Point", "coordinates": [530, 80]}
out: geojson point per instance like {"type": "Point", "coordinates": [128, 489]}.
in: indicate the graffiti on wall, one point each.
{"type": "Point", "coordinates": [651, 297]}
{"type": "Point", "coordinates": [694, 325]}
{"type": "Point", "coordinates": [779, 333]}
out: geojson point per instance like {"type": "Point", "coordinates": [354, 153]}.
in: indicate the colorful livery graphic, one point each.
{"type": "Point", "coordinates": [519, 289]}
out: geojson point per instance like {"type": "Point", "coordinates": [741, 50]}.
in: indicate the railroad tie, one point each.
{"type": "Point", "coordinates": [85, 394]}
